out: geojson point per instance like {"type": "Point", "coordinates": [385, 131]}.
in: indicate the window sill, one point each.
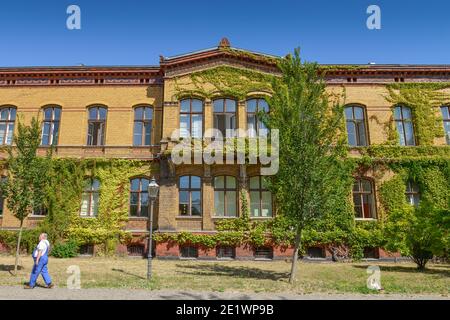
{"type": "Point", "coordinates": [32, 216]}
{"type": "Point", "coordinates": [261, 218]}
{"type": "Point", "coordinates": [137, 218]}
{"type": "Point", "coordinates": [88, 217]}
{"type": "Point", "coordinates": [366, 219]}
{"type": "Point", "coordinates": [189, 217]}
{"type": "Point", "coordinates": [224, 217]}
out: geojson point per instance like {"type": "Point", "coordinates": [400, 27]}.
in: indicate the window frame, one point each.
{"type": "Point", "coordinates": [97, 121]}
{"type": "Point", "coordinates": [190, 114]}
{"type": "Point", "coordinates": [403, 120]}
{"type": "Point", "coordinates": [91, 192]}
{"type": "Point", "coordinates": [258, 122]}
{"type": "Point", "coordinates": [52, 123]}
{"type": "Point", "coordinates": [144, 121]}
{"type": "Point", "coordinates": [361, 194]}
{"type": "Point", "coordinates": [7, 122]}
{"type": "Point", "coordinates": [355, 122]}
{"type": "Point", "coordinates": [138, 192]}
{"type": "Point", "coordinates": [224, 105]}
{"type": "Point", "coordinates": [260, 191]}
{"type": "Point", "coordinates": [412, 190]}
{"type": "Point", "coordinates": [225, 190]}
{"type": "Point", "coordinates": [190, 189]}
{"type": "Point", "coordinates": [446, 121]}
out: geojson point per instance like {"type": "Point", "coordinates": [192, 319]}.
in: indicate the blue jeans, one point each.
{"type": "Point", "coordinates": [40, 268]}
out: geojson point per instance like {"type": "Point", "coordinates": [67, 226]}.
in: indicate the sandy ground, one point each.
{"type": "Point", "coordinates": [17, 292]}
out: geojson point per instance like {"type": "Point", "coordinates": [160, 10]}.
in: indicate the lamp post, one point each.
{"type": "Point", "coordinates": [153, 189]}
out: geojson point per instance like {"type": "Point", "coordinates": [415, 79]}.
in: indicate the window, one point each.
{"type": "Point", "coordinates": [2, 198]}
{"type": "Point", "coordinates": [446, 118]}
{"type": "Point", "coordinates": [142, 130]}
{"type": "Point", "coordinates": [189, 252]}
{"type": "Point", "coordinates": [190, 196]}
{"type": "Point", "coordinates": [256, 127]}
{"type": "Point", "coordinates": [139, 197]}
{"type": "Point", "coordinates": [225, 116]}
{"type": "Point", "coordinates": [50, 126]}
{"type": "Point", "coordinates": [87, 250]}
{"type": "Point", "coordinates": [404, 125]}
{"type": "Point", "coordinates": [356, 127]}
{"type": "Point", "coordinates": [370, 253]}
{"type": "Point", "coordinates": [316, 252]}
{"type": "Point", "coordinates": [260, 198]}
{"type": "Point", "coordinates": [96, 126]}
{"type": "Point", "coordinates": [135, 250]}
{"type": "Point", "coordinates": [363, 199]}
{"type": "Point", "coordinates": [90, 197]}
{"type": "Point", "coordinates": [191, 118]}
{"type": "Point", "coordinates": [7, 119]}
{"type": "Point", "coordinates": [223, 252]}
{"type": "Point", "coordinates": [225, 200]}
{"type": "Point", "coordinates": [263, 253]}
{"type": "Point", "coordinates": [40, 211]}
{"type": "Point", "coordinates": [412, 193]}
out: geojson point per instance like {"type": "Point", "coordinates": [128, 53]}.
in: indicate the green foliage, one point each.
{"type": "Point", "coordinates": [392, 193]}
{"type": "Point", "coordinates": [424, 101]}
{"type": "Point", "coordinates": [29, 240]}
{"type": "Point", "coordinates": [67, 249]}
{"type": "Point", "coordinates": [229, 81]}
{"type": "Point", "coordinates": [26, 172]}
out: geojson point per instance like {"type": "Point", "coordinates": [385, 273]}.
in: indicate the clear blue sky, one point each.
{"type": "Point", "coordinates": [136, 32]}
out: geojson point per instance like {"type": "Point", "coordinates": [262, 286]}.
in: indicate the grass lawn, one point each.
{"type": "Point", "coordinates": [243, 276]}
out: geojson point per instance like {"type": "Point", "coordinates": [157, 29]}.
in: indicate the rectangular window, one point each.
{"type": "Point", "coordinates": [189, 252]}
{"type": "Point", "coordinates": [226, 252]}
{"type": "Point", "coordinates": [263, 253]}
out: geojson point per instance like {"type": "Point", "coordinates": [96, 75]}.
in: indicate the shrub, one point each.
{"type": "Point", "coordinates": [67, 249]}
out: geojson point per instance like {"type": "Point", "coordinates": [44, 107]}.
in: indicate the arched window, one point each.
{"type": "Point", "coordinates": [356, 126]}
{"type": "Point", "coordinates": [96, 126]}
{"type": "Point", "coordinates": [191, 118]}
{"type": "Point", "coordinates": [412, 193]}
{"type": "Point", "coordinates": [364, 199]}
{"type": "Point", "coordinates": [7, 119]}
{"type": "Point", "coordinates": [225, 116]}
{"type": "Point", "coordinates": [225, 196]}
{"type": "Point", "coordinates": [260, 198]}
{"type": "Point", "coordinates": [139, 197]}
{"type": "Point", "coordinates": [90, 198]}
{"type": "Point", "coordinates": [446, 119]}
{"type": "Point", "coordinates": [404, 124]}
{"type": "Point", "coordinates": [50, 125]}
{"type": "Point", "coordinates": [142, 129]}
{"type": "Point", "coordinates": [255, 126]}
{"type": "Point", "coordinates": [190, 196]}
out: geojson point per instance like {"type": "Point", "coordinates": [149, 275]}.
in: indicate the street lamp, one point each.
{"type": "Point", "coordinates": [153, 189]}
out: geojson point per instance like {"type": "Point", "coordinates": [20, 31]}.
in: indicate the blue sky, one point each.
{"type": "Point", "coordinates": [136, 32]}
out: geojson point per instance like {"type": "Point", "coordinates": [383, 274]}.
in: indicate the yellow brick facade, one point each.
{"type": "Point", "coordinates": [120, 100]}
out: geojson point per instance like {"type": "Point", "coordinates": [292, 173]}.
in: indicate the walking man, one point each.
{"type": "Point", "coordinates": [40, 257]}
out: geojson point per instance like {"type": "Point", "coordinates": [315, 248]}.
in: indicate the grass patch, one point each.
{"type": "Point", "coordinates": [241, 276]}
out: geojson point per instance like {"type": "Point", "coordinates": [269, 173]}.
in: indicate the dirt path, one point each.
{"type": "Point", "coordinates": [16, 292]}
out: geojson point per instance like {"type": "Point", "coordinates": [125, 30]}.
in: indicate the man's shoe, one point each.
{"type": "Point", "coordinates": [27, 286]}
{"type": "Point", "coordinates": [51, 285]}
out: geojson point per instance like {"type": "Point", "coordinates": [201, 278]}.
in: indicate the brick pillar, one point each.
{"type": "Point", "coordinates": [168, 196]}
{"type": "Point", "coordinates": [208, 115]}
{"type": "Point", "coordinates": [208, 199]}
{"type": "Point", "coordinates": [241, 116]}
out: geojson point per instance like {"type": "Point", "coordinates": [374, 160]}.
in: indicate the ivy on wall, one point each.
{"type": "Point", "coordinates": [424, 99]}
{"type": "Point", "coordinates": [228, 81]}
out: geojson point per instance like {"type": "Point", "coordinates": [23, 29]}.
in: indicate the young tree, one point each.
{"type": "Point", "coordinates": [419, 233]}
{"type": "Point", "coordinates": [308, 120]}
{"type": "Point", "coordinates": [25, 185]}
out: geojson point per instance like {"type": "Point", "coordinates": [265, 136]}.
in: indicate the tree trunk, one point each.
{"type": "Point", "coordinates": [18, 247]}
{"type": "Point", "coordinates": [298, 239]}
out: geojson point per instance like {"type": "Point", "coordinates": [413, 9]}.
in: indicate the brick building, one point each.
{"type": "Point", "coordinates": [131, 113]}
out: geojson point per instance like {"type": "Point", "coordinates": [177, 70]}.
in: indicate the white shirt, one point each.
{"type": "Point", "coordinates": [42, 246]}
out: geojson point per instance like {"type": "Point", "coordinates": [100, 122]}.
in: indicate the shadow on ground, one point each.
{"type": "Point", "coordinates": [128, 273]}
{"type": "Point", "coordinates": [233, 271]}
{"type": "Point", "coordinates": [9, 268]}
{"type": "Point", "coordinates": [409, 269]}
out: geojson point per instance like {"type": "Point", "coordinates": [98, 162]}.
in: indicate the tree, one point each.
{"type": "Point", "coordinates": [308, 120]}
{"type": "Point", "coordinates": [420, 233]}
{"type": "Point", "coordinates": [25, 185]}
